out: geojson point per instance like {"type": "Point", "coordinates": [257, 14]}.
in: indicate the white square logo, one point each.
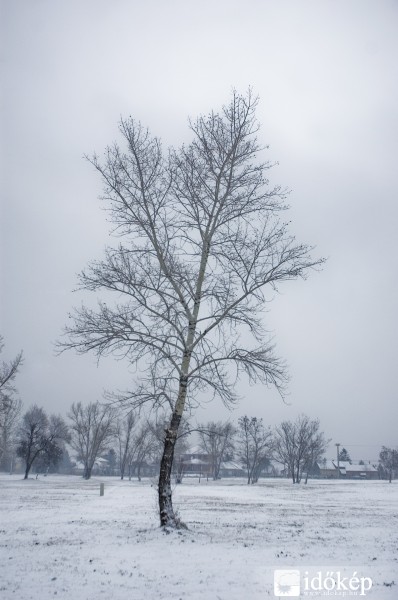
{"type": "Point", "coordinates": [287, 583]}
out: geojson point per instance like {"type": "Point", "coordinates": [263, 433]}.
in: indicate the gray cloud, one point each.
{"type": "Point", "coordinates": [326, 73]}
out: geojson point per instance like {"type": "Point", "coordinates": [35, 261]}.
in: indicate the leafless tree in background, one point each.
{"type": "Point", "coordinates": [143, 448]}
{"type": "Point", "coordinates": [124, 435]}
{"type": "Point", "coordinates": [92, 427]}
{"type": "Point", "coordinates": [10, 411]}
{"type": "Point", "coordinates": [8, 372]}
{"type": "Point", "coordinates": [216, 440]}
{"type": "Point", "coordinates": [202, 251]}
{"type": "Point", "coordinates": [298, 444]}
{"type": "Point", "coordinates": [389, 461]}
{"type": "Point", "coordinates": [316, 447]}
{"type": "Point", "coordinates": [285, 447]}
{"type": "Point", "coordinates": [39, 435]}
{"type": "Point", "coordinates": [254, 446]}
{"type": "Point", "coordinates": [10, 405]}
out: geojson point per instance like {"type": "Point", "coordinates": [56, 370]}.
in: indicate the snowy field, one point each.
{"type": "Point", "coordinates": [59, 538]}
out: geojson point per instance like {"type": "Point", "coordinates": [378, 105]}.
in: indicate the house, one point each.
{"type": "Point", "coordinates": [325, 469]}
{"type": "Point", "coordinates": [101, 465]}
{"type": "Point", "coordinates": [230, 468]}
{"type": "Point", "coordinates": [194, 462]}
{"type": "Point", "coordinates": [330, 469]}
{"type": "Point", "coordinates": [365, 471]}
{"type": "Point", "coordinates": [197, 463]}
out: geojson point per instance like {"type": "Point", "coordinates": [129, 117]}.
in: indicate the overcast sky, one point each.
{"type": "Point", "coordinates": [326, 74]}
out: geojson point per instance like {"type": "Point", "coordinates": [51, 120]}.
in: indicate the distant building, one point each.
{"type": "Point", "coordinates": [365, 471]}
{"type": "Point", "coordinates": [231, 469]}
{"type": "Point", "coordinates": [329, 469]}
{"type": "Point", "coordinates": [195, 462]}
{"type": "Point", "coordinates": [101, 465]}
{"type": "Point", "coordinates": [326, 469]}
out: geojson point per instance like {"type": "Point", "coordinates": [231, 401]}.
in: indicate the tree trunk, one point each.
{"type": "Point", "coordinates": [123, 464]}
{"type": "Point", "coordinates": [87, 472]}
{"type": "Point", "coordinates": [29, 462]}
{"type": "Point", "coordinates": [167, 516]}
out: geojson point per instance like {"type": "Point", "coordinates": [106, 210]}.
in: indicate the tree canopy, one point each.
{"type": "Point", "coordinates": [202, 249]}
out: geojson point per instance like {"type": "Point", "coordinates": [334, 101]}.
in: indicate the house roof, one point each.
{"type": "Point", "coordinates": [231, 466]}
{"type": "Point", "coordinates": [99, 462]}
{"type": "Point", "coordinates": [346, 467]}
{"type": "Point", "coordinates": [361, 468]}
{"type": "Point", "coordinates": [343, 464]}
{"type": "Point", "coordinates": [326, 464]}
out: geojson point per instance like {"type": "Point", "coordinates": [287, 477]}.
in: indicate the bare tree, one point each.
{"type": "Point", "coordinates": [9, 416]}
{"type": "Point", "coordinates": [49, 460]}
{"type": "Point", "coordinates": [298, 444]}
{"type": "Point", "coordinates": [143, 448]}
{"type": "Point", "coordinates": [202, 252]}
{"type": "Point", "coordinates": [10, 405]}
{"type": "Point", "coordinates": [316, 447]}
{"type": "Point", "coordinates": [8, 372]}
{"type": "Point", "coordinates": [92, 428]}
{"type": "Point", "coordinates": [389, 461]}
{"type": "Point", "coordinates": [285, 447]}
{"type": "Point", "coordinates": [216, 440]}
{"type": "Point", "coordinates": [254, 446]}
{"type": "Point", "coordinates": [124, 435]}
{"type": "Point", "coordinates": [40, 435]}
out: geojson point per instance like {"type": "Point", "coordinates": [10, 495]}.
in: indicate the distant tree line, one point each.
{"type": "Point", "coordinates": [388, 463]}
{"type": "Point", "coordinates": [130, 441]}
{"type": "Point", "coordinates": [10, 405]}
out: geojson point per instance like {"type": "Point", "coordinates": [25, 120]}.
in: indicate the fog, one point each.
{"type": "Point", "coordinates": [326, 74]}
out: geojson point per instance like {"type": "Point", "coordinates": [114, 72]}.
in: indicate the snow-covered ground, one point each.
{"type": "Point", "coordinates": [60, 538]}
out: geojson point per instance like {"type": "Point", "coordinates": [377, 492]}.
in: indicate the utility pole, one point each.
{"type": "Point", "coordinates": [338, 460]}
